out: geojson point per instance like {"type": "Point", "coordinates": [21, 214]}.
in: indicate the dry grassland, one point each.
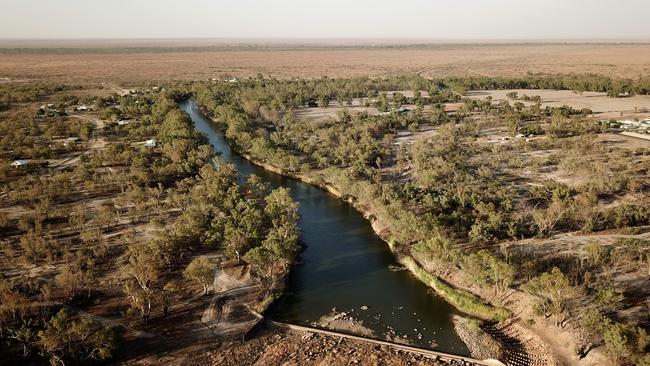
{"type": "Point", "coordinates": [134, 66]}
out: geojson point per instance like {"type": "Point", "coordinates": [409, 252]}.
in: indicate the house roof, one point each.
{"type": "Point", "coordinates": [20, 162]}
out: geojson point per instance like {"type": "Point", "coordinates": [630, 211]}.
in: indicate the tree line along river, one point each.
{"type": "Point", "coordinates": [345, 265]}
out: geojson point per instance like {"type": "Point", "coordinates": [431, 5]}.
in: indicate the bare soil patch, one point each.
{"type": "Point", "coordinates": [599, 103]}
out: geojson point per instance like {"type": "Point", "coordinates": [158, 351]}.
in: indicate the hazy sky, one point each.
{"type": "Point", "coordinates": [450, 19]}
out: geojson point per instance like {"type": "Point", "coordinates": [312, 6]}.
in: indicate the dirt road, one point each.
{"type": "Point", "coordinates": [116, 88]}
{"type": "Point", "coordinates": [97, 143]}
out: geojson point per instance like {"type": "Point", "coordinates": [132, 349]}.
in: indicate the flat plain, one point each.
{"type": "Point", "coordinates": [84, 63]}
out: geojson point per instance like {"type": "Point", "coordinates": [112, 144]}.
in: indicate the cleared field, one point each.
{"type": "Point", "coordinates": [599, 103]}
{"type": "Point", "coordinates": [88, 65]}
{"type": "Point", "coordinates": [637, 106]}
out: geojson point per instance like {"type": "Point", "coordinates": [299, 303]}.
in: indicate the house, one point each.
{"type": "Point", "coordinates": [629, 125]}
{"type": "Point", "coordinates": [150, 143]}
{"type": "Point", "coordinates": [20, 163]}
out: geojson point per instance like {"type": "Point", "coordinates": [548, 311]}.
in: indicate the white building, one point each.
{"type": "Point", "coordinates": [19, 163]}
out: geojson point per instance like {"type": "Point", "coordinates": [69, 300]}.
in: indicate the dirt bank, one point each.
{"type": "Point", "coordinates": [279, 347]}
{"type": "Point", "coordinates": [342, 321]}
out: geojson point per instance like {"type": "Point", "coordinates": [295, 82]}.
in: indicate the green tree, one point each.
{"type": "Point", "coordinates": [281, 208]}
{"type": "Point", "coordinates": [200, 270]}
{"type": "Point", "coordinates": [513, 126]}
{"type": "Point", "coordinates": [257, 186]}
{"type": "Point", "coordinates": [607, 298]}
{"type": "Point", "coordinates": [72, 280]}
{"type": "Point", "coordinates": [554, 290]}
{"type": "Point", "coordinates": [142, 271]}
{"type": "Point", "coordinates": [484, 269]}
{"type": "Point", "coordinates": [616, 337]}
{"type": "Point", "coordinates": [323, 101]}
{"type": "Point", "coordinates": [66, 338]}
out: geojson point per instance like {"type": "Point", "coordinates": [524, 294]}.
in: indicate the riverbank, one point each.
{"type": "Point", "coordinates": [538, 336]}
{"type": "Point", "coordinates": [286, 347]}
{"type": "Point", "coordinates": [462, 300]}
{"type": "Point", "coordinates": [345, 265]}
{"type": "Point", "coordinates": [394, 225]}
{"type": "Point", "coordinates": [452, 288]}
{"type": "Point", "coordinates": [475, 211]}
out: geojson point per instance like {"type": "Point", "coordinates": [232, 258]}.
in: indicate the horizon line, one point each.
{"type": "Point", "coordinates": [206, 42]}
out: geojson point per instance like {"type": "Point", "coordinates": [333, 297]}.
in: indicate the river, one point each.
{"type": "Point", "coordinates": [345, 265]}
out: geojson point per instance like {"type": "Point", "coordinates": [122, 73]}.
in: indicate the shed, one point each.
{"type": "Point", "coordinates": [19, 163]}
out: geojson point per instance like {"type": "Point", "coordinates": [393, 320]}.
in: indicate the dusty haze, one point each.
{"type": "Point", "coordinates": [461, 19]}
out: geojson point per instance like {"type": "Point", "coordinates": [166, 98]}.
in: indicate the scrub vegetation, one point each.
{"type": "Point", "coordinates": [115, 227]}
{"type": "Point", "coordinates": [481, 196]}
{"type": "Point", "coordinates": [122, 220]}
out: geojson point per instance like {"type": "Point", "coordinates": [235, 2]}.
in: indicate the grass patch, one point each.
{"type": "Point", "coordinates": [265, 303]}
{"type": "Point", "coordinates": [460, 299]}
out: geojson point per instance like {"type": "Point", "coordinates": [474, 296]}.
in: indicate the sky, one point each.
{"type": "Point", "coordinates": [432, 19]}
